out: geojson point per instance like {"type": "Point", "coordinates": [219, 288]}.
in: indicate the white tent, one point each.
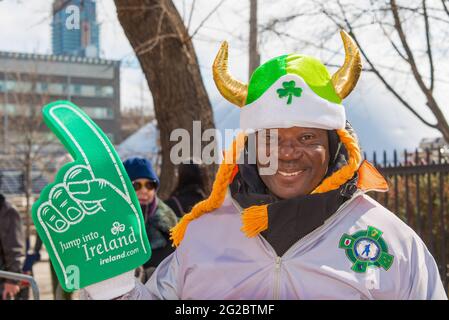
{"type": "Point", "coordinates": [143, 143]}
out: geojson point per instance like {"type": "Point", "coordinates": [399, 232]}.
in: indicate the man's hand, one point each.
{"type": "Point", "coordinates": [10, 290]}
{"type": "Point", "coordinates": [89, 218]}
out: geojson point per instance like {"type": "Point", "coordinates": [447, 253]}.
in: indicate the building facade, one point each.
{"type": "Point", "coordinates": [30, 81]}
{"type": "Point", "coordinates": [75, 30]}
{"type": "Point", "coordinates": [34, 80]}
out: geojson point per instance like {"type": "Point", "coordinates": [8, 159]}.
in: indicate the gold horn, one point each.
{"type": "Point", "coordinates": [345, 79]}
{"type": "Point", "coordinates": [233, 90]}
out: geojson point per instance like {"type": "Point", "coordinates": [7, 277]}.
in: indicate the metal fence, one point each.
{"type": "Point", "coordinates": [22, 277]}
{"type": "Point", "coordinates": [419, 191]}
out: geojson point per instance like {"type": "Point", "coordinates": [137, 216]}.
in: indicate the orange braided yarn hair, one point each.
{"type": "Point", "coordinates": [218, 194]}
{"type": "Point", "coordinates": [341, 176]}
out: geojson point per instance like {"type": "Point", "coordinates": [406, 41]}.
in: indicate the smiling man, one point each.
{"type": "Point", "coordinates": [306, 231]}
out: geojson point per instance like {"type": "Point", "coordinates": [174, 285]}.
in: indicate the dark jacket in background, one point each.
{"type": "Point", "coordinates": [183, 200]}
{"type": "Point", "coordinates": [158, 225]}
{"type": "Point", "coordinates": [12, 248]}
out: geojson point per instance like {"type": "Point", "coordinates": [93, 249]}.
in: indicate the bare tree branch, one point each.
{"type": "Point", "coordinates": [28, 140]}
{"type": "Point", "coordinates": [445, 7]}
{"type": "Point", "coordinates": [405, 45]}
{"type": "Point", "coordinates": [137, 10]}
{"type": "Point", "coordinates": [184, 11]}
{"type": "Point", "coordinates": [429, 47]}
{"type": "Point", "coordinates": [442, 124]}
{"type": "Point", "coordinates": [313, 44]}
{"type": "Point", "coordinates": [393, 44]}
{"type": "Point", "coordinates": [153, 42]}
{"type": "Point", "coordinates": [417, 10]}
{"type": "Point", "coordinates": [273, 23]}
{"type": "Point", "coordinates": [380, 76]}
{"type": "Point", "coordinates": [206, 18]}
{"type": "Point", "coordinates": [388, 36]}
{"type": "Point", "coordinates": [192, 8]}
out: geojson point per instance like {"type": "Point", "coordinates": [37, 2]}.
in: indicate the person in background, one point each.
{"type": "Point", "coordinates": [12, 249]}
{"type": "Point", "coordinates": [190, 189]}
{"type": "Point", "coordinates": [158, 217]}
{"type": "Point", "coordinates": [31, 257]}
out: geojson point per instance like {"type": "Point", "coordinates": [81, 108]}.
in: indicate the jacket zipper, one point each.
{"type": "Point", "coordinates": [277, 278]}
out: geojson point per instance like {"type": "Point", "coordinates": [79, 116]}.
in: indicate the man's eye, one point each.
{"type": "Point", "coordinates": [307, 137]}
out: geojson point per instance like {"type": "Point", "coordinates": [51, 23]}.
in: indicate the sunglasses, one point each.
{"type": "Point", "coordinates": [148, 185]}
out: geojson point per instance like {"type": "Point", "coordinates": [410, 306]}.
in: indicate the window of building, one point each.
{"type": "Point", "coordinates": [42, 87]}
{"type": "Point", "coordinates": [27, 86]}
{"type": "Point", "coordinates": [65, 88]}
{"type": "Point", "coordinates": [98, 91]}
{"type": "Point", "coordinates": [88, 91]}
{"type": "Point", "coordinates": [23, 86]}
{"type": "Point", "coordinates": [10, 85]}
{"type": "Point", "coordinates": [108, 91]}
{"type": "Point", "coordinates": [76, 89]}
{"type": "Point", "coordinates": [102, 113]}
{"type": "Point", "coordinates": [110, 113]}
{"type": "Point", "coordinates": [56, 88]}
{"type": "Point", "coordinates": [10, 109]}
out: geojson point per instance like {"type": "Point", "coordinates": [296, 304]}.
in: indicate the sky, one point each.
{"type": "Point", "coordinates": [381, 122]}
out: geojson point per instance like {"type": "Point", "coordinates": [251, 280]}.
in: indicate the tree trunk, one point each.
{"type": "Point", "coordinates": [442, 124]}
{"type": "Point", "coordinates": [165, 51]}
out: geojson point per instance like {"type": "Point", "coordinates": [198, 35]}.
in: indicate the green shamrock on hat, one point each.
{"type": "Point", "coordinates": [289, 91]}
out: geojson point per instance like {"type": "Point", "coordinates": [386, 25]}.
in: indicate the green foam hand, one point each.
{"type": "Point", "coordinates": [90, 218]}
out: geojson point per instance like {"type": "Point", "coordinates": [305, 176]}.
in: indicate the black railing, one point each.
{"type": "Point", "coordinates": [419, 191]}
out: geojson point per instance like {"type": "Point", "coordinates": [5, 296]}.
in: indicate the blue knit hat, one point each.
{"type": "Point", "coordinates": [138, 168]}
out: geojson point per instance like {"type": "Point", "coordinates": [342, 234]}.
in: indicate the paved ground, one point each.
{"type": "Point", "coordinates": [42, 275]}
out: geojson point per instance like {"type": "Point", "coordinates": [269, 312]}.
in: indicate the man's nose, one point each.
{"type": "Point", "coordinates": [289, 151]}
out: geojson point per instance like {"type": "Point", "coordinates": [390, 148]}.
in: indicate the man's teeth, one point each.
{"type": "Point", "coordinates": [290, 174]}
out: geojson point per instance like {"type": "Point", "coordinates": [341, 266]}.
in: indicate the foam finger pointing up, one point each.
{"type": "Point", "coordinates": [85, 141]}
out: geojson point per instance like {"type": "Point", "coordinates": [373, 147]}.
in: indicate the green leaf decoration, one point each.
{"type": "Point", "coordinates": [289, 90]}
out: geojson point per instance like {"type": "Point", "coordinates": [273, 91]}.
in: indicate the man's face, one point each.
{"type": "Point", "coordinates": [303, 158]}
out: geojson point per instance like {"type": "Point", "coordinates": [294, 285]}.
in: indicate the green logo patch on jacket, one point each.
{"type": "Point", "coordinates": [366, 248]}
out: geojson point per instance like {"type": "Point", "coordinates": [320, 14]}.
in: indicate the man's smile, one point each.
{"type": "Point", "coordinates": [290, 174]}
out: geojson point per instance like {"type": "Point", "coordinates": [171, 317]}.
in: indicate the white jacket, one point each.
{"type": "Point", "coordinates": [217, 261]}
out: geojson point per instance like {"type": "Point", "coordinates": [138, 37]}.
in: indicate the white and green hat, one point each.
{"type": "Point", "coordinates": [291, 90]}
